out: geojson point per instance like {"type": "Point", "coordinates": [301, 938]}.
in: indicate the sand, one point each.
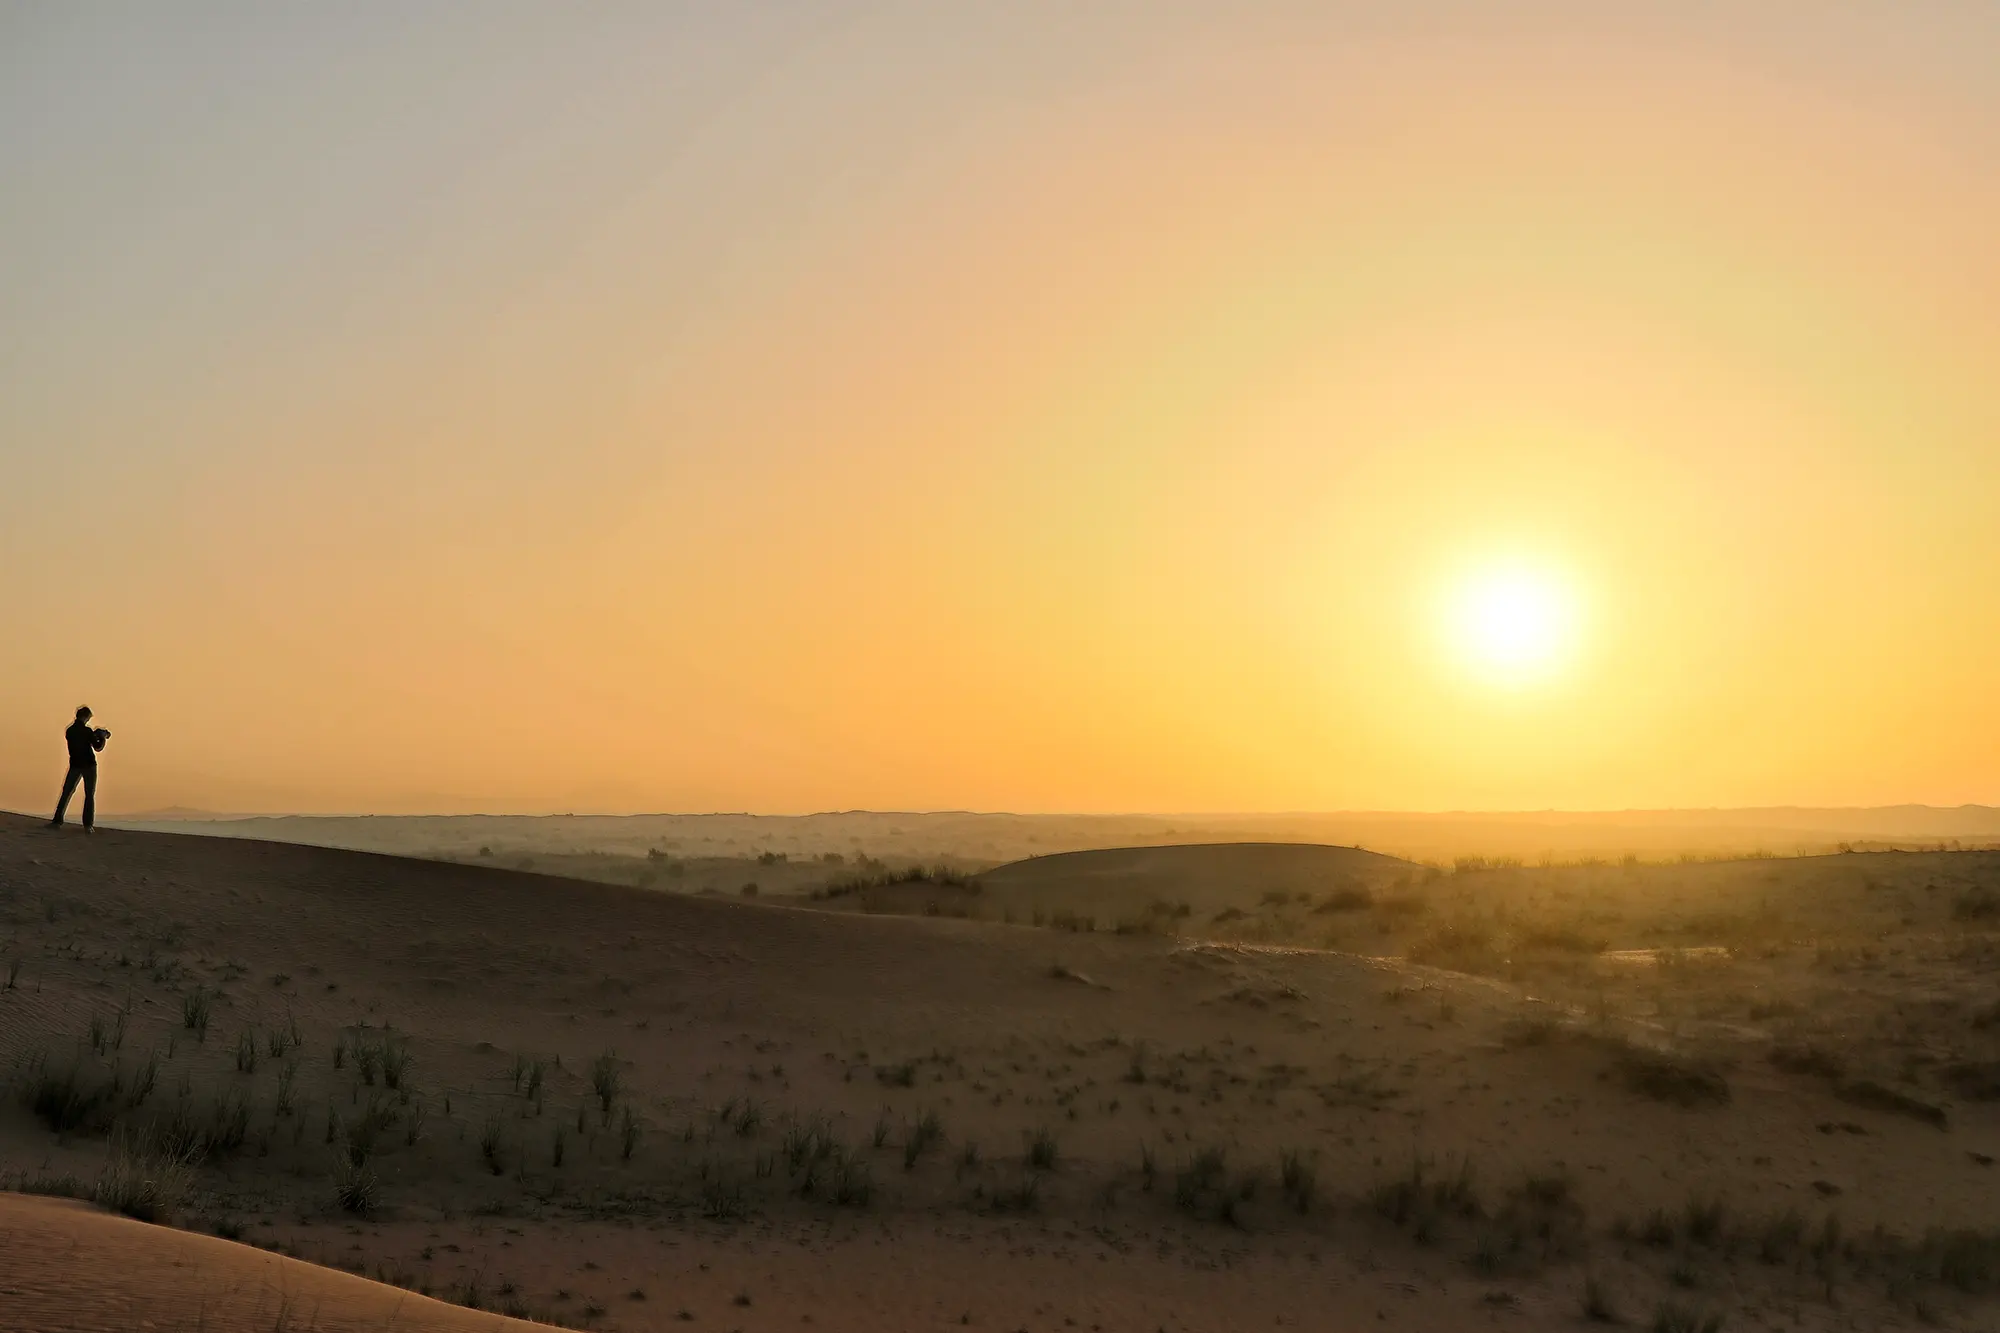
{"type": "Point", "coordinates": [780, 1067]}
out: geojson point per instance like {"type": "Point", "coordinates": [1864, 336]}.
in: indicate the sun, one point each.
{"type": "Point", "coordinates": [1512, 623]}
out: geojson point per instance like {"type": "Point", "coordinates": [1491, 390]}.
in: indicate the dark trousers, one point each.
{"type": "Point", "coordinates": [88, 777]}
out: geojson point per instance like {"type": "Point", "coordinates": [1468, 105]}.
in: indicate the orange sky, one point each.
{"type": "Point", "coordinates": [1044, 407]}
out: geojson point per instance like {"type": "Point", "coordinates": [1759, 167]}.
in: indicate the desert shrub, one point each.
{"type": "Point", "coordinates": [1974, 1080]}
{"type": "Point", "coordinates": [1538, 1221]}
{"type": "Point", "coordinates": [1531, 1030]}
{"type": "Point", "coordinates": [1880, 1097]}
{"type": "Point", "coordinates": [1042, 1149]}
{"type": "Point", "coordinates": [1458, 946]}
{"type": "Point", "coordinates": [1978, 905]}
{"type": "Point", "coordinates": [1350, 899]}
{"type": "Point", "coordinates": [1423, 1200]}
{"type": "Point", "coordinates": [1666, 1076]}
{"type": "Point", "coordinates": [66, 1098]}
{"type": "Point", "coordinates": [1802, 1058]}
{"type": "Point", "coordinates": [1702, 1219]}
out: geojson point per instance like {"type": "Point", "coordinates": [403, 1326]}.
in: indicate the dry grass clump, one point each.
{"type": "Point", "coordinates": [67, 1098]}
{"type": "Point", "coordinates": [1666, 1076]}
{"type": "Point", "coordinates": [142, 1180]}
{"type": "Point", "coordinates": [1807, 1059]}
{"type": "Point", "coordinates": [606, 1082]}
{"type": "Point", "coordinates": [1974, 1080]}
{"type": "Point", "coordinates": [356, 1187]}
{"type": "Point", "coordinates": [1459, 946]}
{"type": "Point", "coordinates": [1423, 1201]}
{"type": "Point", "coordinates": [1539, 1221]}
{"type": "Point", "coordinates": [1672, 1317]}
{"type": "Point", "coordinates": [197, 1010]}
{"type": "Point", "coordinates": [1881, 1097]}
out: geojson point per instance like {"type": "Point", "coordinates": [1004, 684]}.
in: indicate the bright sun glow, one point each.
{"type": "Point", "coordinates": [1513, 623]}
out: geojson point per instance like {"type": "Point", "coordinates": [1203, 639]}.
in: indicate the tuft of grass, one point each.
{"type": "Point", "coordinates": [356, 1187]}
{"type": "Point", "coordinates": [1042, 1149]}
{"type": "Point", "coordinates": [1671, 1317]}
{"type": "Point", "coordinates": [850, 1185]}
{"type": "Point", "coordinates": [1703, 1219]}
{"type": "Point", "coordinates": [1780, 1236]}
{"type": "Point", "coordinates": [628, 1135]}
{"type": "Point", "coordinates": [197, 1009]}
{"type": "Point", "coordinates": [283, 1100]}
{"type": "Point", "coordinates": [229, 1122]}
{"type": "Point", "coordinates": [246, 1051]}
{"type": "Point", "coordinates": [1022, 1196]}
{"type": "Point", "coordinates": [144, 1080]}
{"type": "Point", "coordinates": [919, 1136]}
{"type": "Point", "coordinates": [1597, 1305]}
{"type": "Point", "coordinates": [395, 1062]}
{"type": "Point", "coordinates": [490, 1148]}
{"type": "Point", "coordinates": [1298, 1178]}
{"type": "Point", "coordinates": [1198, 1185]}
{"type": "Point", "coordinates": [145, 1183]}
{"type": "Point", "coordinates": [606, 1081]}
{"type": "Point", "coordinates": [722, 1199]}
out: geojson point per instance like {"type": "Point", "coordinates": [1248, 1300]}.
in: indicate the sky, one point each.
{"type": "Point", "coordinates": [1038, 406]}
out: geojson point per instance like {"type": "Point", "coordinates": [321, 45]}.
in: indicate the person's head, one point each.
{"type": "Point", "coordinates": [83, 714]}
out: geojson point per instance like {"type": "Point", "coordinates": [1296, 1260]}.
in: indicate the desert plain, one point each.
{"type": "Point", "coordinates": [261, 1086]}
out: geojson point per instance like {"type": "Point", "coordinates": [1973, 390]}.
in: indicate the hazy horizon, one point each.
{"type": "Point", "coordinates": [1269, 406]}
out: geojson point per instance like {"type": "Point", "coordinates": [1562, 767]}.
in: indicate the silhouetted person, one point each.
{"type": "Point", "coordinates": [84, 742]}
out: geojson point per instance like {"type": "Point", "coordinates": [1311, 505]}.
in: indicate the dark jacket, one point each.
{"type": "Point", "coordinates": [84, 743]}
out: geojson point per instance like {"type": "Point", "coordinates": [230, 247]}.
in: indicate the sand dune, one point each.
{"type": "Point", "coordinates": [612, 1107]}
{"type": "Point", "coordinates": [68, 1268]}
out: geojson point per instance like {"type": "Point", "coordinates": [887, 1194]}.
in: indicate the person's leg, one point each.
{"type": "Point", "coordinates": [90, 798]}
{"type": "Point", "coordinates": [69, 789]}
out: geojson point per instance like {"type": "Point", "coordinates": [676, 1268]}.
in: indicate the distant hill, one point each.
{"type": "Point", "coordinates": [902, 838]}
{"type": "Point", "coordinates": [1123, 880]}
